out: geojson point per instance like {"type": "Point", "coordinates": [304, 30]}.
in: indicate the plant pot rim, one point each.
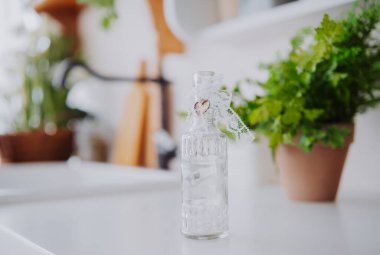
{"type": "Point", "coordinates": [37, 131]}
{"type": "Point", "coordinates": [36, 145]}
{"type": "Point", "coordinates": [339, 124]}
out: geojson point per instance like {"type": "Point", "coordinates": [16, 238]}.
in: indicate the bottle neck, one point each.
{"type": "Point", "coordinates": [205, 123]}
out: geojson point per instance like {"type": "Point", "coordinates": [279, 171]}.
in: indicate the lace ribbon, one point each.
{"type": "Point", "coordinates": [226, 119]}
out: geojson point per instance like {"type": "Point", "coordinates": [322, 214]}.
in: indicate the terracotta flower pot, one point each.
{"type": "Point", "coordinates": [36, 146]}
{"type": "Point", "coordinates": [312, 176]}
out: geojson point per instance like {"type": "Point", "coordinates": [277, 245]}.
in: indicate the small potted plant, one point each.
{"type": "Point", "coordinates": [311, 98]}
{"type": "Point", "coordinates": [39, 130]}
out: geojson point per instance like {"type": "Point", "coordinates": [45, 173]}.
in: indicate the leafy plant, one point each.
{"type": "Point", "coordinates": [331, 73]}
{"type": "Point", "coordinates": [44, 105]}
{"type": "Point", "coordinates": [109, 7]}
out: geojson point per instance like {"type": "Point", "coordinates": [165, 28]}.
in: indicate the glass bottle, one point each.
{"type": "Point", "coordinates": [204, 166]}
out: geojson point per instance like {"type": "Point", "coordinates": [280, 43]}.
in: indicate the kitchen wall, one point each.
{"type": "Point", "coordinates": [10, 18]}
{"type": "Point", "coordinates": [132, 38]}
{"type": "Point", "coordinates": [114, 52]}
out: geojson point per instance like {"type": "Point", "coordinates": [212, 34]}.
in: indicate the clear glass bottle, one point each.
{"type": "Point", "coordinates": [204, 166]}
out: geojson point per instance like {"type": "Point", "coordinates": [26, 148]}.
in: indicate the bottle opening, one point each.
{"type": "Point", "coordinates": [206, 78]}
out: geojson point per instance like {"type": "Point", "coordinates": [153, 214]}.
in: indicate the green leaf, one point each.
{"type": "Point", "coordinates": [182, 114]}
{"type": "Point", "coordinates": [335, 78]}
{"type": "Point", "coordinates": [274, 108]}
{"type": "Point", "coordinates": [287, 138]}
{"type": "Point", "coordinates": [312, 114]}
{"type": "Point", "coordinates": [229, 134]}
{"type": "Point", "coordinates": [98, 3]}
{"type": "Point", "coordinates": [258, 115]}
{"type": "Point", "coordinates": [306, 142]}
{"type": "Point", "coordinates": [275, 139]}
{"type": "Point", "coordinates": [109, 18]}
{"type": "Point", "coordinates": [110, 15]}
{"type": "Point", "coordinates": [329, 30]}
{"type": "Point", "coordinates": [336, 137]}
{"type": "Point", "coordinates": [291, 117]}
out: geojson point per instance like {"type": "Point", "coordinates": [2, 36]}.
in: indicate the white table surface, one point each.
{"type": "Point", "coordinates": [262, 221]}
{"type": "Point", "coordinates": [13, 243]}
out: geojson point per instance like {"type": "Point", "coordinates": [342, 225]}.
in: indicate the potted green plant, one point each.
{"type": "Point", "coordinates": [311, 98]}
{"type": "Point", "coordinates": [40, 130]}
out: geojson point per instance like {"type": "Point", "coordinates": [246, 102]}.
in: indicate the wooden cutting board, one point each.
{"type": "Point", "coordinates": [167, 42]}
{"type": "Point", "coordinates": [153, 124]}
{"type": "Point", "coordinates": [129, 140]}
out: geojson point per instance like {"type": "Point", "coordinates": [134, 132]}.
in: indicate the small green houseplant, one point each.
{"type": "Point", "coordinates": [44, 103]}
{"type": "Point", "coordinates": [312, 95]}
{"type": "Point", "coordinates": [39, 130]}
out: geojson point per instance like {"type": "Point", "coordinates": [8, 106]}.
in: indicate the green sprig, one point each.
{"type": "Point", "coordinates": [110, 14]}
{"type": "Point", "coordinates": [331, 73]}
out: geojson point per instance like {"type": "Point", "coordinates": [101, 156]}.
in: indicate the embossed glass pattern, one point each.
{"type": "Point", "coordinates": [204, 177]}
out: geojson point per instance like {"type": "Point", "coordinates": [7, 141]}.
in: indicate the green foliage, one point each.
{"type": "Point", "coordinates": [110, 14]}
{"type": "Point", "coordinates": [182, 114]}
{"type": "Point", "coordinates": [43, 103]}
{"type": "Point", "coordinates": [331, 73]}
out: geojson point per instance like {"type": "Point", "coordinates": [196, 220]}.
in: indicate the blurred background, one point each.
{"type": "Point", "coordinates": [93, 95]}
{"type": "Point", "coordinates": [106, 80]}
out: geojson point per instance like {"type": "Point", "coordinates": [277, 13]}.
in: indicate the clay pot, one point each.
{"type": "Point", "coordinates": [312, 176]}
{"type": "Point", "coordinates": [36, 146]}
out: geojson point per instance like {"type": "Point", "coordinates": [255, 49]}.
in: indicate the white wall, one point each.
{"type": "Point", "coordinates": [132, 37]}
{"type": "Point", "coordinates": [10, 44]}
{"type": "Point", "coordinates": [114, 52]}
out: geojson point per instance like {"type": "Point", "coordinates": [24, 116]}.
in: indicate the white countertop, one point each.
{"type": "Point", "coordinates": [262, 221]}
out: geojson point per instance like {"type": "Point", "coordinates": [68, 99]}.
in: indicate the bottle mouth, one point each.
{"type": "Point", "coordinates": [207, 78]}
{"type": "Point", "coordinates": [205, 73]}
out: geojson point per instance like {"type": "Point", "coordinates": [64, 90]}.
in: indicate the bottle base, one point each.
{"type": "Point", "coordinates": [207, 237]}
